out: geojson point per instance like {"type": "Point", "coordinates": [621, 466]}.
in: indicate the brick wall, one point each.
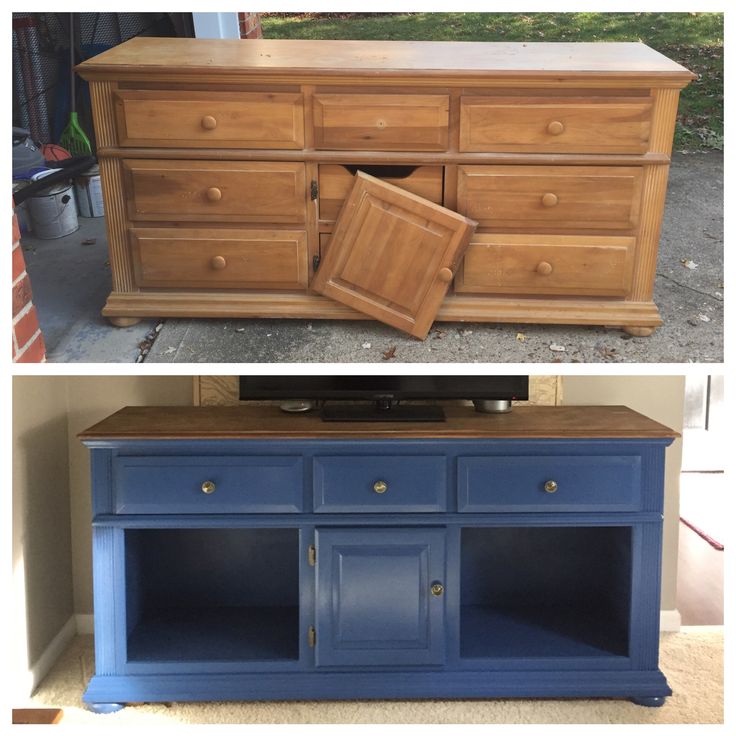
{"type": "Point", "coordinates": [250, 25]}
{"type": "Point", "coordinates": [28, 345]}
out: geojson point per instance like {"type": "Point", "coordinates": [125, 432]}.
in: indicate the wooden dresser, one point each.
{"type": "Point", "coordinates": [225, 165]}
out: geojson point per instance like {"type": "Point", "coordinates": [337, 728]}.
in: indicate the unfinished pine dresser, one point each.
{"type": "Point", "coordinates": [225, 165]}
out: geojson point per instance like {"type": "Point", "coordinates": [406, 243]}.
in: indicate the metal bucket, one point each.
{"type": "Point", "coordinates": [88, 190]}
{"type": "Point", "coordinates": [53, 212]}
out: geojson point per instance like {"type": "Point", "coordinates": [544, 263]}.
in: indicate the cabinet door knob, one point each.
{"type": "Point", "coordinates": [549, 199]}
{"type": "Point", "coordinates": [210, 123]}
{"type": "Point", "coordinates": [445, 274]}
{"type": "Point", "coordinates": [208, 487]}
{"type": "Point", "coordinates": [380, 486]}
{"type": "Point", "coordinates": [555, 128]}
{"type": "Point", "coordinates": [544, 268]}
{"type": "Point", "coordinates": [550, 486]}
{"type": "Point", "coordinates": [218, 263]}
{"type": "Point", "coordinates": [437, 589]}
{"type": "Point", "coordinates": [215, 195]}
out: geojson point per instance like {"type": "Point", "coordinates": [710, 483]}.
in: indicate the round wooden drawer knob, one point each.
{"type": "Point", "coordinates": [445, 275]}
{"type": "Point", "coordinates": [215, 195]}
{"type": "Point", "coordinates": [544, 268]}
{"type": "Point", "coordinates": [555, 128]}
{"type": "Point", "coordinates": [218, 263]}
{"type": "Point", "coordinates": [209, 123]}
{"type": "Point", "coordinates": [549, 199]}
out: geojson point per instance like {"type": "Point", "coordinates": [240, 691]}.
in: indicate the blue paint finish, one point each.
{"type": "Point", "coordinates": [212, 596]}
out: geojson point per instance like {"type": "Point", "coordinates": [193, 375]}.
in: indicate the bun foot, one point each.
{"type": "Point", "coordinates": [652, 701]}
{"type": "Point", "coordinates": [105, 707]}
{"type": "Point", "coordinates": [639, 331]}
{"type": "Point", "coordinates": [124, 321]}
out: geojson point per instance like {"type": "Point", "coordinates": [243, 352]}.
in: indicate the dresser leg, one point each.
{"type": "Point", "coordinates": [650, 701]}
{"type": "Point", "coordinates": [105, 707]}
{"type": "Point", "coordinates": [124, 321]}
{"type": "Point", "coordinates": [639, 331]}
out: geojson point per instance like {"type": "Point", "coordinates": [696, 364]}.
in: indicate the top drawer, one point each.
{"type": "Point", "coordinates": [192, 119]}
{"type": "Point", "coordinates": [208, 484]}
{"type": "Point", "coordinates": [381, 122]}
{"type": "Point", "coordinates": [567, 125]}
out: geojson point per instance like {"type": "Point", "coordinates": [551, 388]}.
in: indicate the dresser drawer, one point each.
{"type": "Point", "coordinates": [365, 122]}
{"type": "Point", "coordinates": [217, 191]}
{"type": "Point", "coordinates": [208, 484]}
{"type": "Point", "coordinates": [549, 483]}
{"type": "Point", "coordinates": [600, 197]}
{"type": "Point", "coordinates": [380, 484]}
{"type": "Point", "coordinates": [562, 125]}
{"type": "Point", "coordinates": [227, 259]}
{"type": "Point", "coordinates": [336, 181]}
{"type": "Point", "coordinates": [189, 119]}
{"type": "Point", "coordinates": [547, 264]}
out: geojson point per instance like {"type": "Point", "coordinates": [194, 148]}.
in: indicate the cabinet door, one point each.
{"type": "Point", "coordinates": [380, 596]}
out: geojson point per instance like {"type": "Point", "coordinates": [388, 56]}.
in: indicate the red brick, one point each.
{"type": "Point", "coordinates": [26, 327]}
{"type": "Point", "coordinates": [16, 229]}
{"type": "Point", "coordinates": [19, 262]}
{"type": "Point", "coordinates": [21, 294]}
{"type": "Point", "coordinates": [35, 353]}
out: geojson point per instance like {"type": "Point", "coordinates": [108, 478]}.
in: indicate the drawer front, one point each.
{"type": "Point", "coordinates": [190, 119]}
{"type": "Point", "coordinates": [381, 122]}
{"type": "Point", "coordinates": [542, 124]}
{"type": "Point", "coordinates": [547, 264]}
{"type": "Point", "coordinates": [227, 259]}
{"type": "Point", "coordinates": [216, 191]}
{"type": "Point", "coordinates": [178, 485]}
{"type": "Point", "coordinates": [380, 484]}
{"type": "Point", "coordinates": [595, 197]}
{"type": "Point", "coordinates": [554, 483]}
{"type": "Point", "coordinates": [335, 183]}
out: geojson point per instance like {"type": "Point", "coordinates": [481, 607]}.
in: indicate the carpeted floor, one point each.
{"type": "Point", "coordinates": [692, 660]}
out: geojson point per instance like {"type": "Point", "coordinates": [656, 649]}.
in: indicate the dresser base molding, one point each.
{"type": "Point", "coordinates": [637, 318]}
{"type": "Point", "coordinates": [644, 688]}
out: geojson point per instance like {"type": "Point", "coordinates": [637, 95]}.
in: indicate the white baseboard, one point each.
{"type": "Point", "coordinates": [670, 620]}
{"type": "Point", "coordinates": [85, 623]}
{"type": "Point", "coordinates": [40, 668]}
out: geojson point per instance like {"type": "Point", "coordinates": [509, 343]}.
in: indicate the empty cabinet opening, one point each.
{"type": "Point", "coordinates": [212, 594]}
{"type": "Point", "coordinates": [545, 592]}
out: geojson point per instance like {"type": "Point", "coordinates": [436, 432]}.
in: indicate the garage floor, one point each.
{"type": "Point", "coordinates": [70, 278]}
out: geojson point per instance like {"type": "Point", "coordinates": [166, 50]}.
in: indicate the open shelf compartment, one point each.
{"type": "Point", "coordinates": [212, 594]}
{"type": "Point", "coordinates": [545, 592]}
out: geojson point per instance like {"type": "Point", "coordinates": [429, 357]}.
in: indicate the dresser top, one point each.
{"type": "Point", "coordinates": [179, 56]}
{"type": "Point", "coordinates": [269, 422]}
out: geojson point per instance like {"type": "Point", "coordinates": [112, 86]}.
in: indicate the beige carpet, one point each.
{"type": "Point", "coordinates": [692, 660]}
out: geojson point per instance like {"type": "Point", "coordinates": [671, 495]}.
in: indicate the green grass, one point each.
{"type": "Point", "coordinates": [694, 40]}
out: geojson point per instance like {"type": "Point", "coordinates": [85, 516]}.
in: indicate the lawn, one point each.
{"type": "Point", "coordinates": [692, 39]}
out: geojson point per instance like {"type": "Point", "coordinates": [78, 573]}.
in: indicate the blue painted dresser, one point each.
{"type": "Point", "coordinates": [247, 554]}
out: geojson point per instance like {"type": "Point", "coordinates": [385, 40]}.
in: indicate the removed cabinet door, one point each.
{"type": "Point", "coordinates": [393, 255]}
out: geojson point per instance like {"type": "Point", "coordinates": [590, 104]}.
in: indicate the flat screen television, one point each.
{"type": "Point", "coordinates": [382, 398]}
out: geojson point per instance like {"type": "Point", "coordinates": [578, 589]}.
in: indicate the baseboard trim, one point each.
{"type": "Point", "coordinates": [85, 623]}
{"type": "Point", "coordinates": [670, 620]}
{"type": "Point", "coordinates": [40, 668]}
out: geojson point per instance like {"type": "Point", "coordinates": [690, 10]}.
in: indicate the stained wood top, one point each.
{"type": "Point", "coordinates": [269, 422]}
{"type": "Point", "coordinates": [177, 56]}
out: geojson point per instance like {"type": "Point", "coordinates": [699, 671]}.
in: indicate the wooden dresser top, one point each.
{"type": "Point", "coordinates": [269, 422]}
{"type": "Point", "coordinates": [179, 56]}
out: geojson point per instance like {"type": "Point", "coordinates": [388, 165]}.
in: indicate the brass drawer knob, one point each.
{"type": "Point", "coordinates": [380, 486]}
{"type": "Point", "coordinates": [209, 123]}
{"type": "Point", "coordinates": [208, 487]}
{"type": "Point", "coordinates": [555, 128]}
{"type": "Point", "coordinates": [544, 268]}
{"type": "Point", "coordinates": [218, 263]}
{"type": "Point", "coordinates": [214, 194]}
{"type": "Point", "coordinates": [550, 486]}
{"type": "Point", "coordinates": [549, 199]}
{"type": "Point", "coordinates": [437, 589]}
{"type": "Point", "coordinates": [445, 274]}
